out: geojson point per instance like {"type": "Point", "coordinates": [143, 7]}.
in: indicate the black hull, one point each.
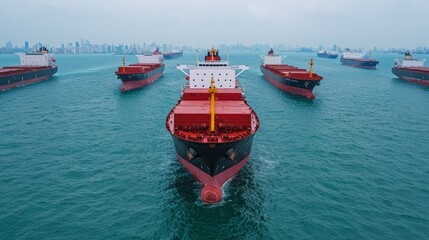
{"type": "Point", "coordinates": [297, 87]}
{"type": "Point", "coordinates": [360, 63]}
{"type": "Point", "coordinates": [141, 76]}
{"type": "Point", "coordinates": [173, 55]}
{"type": "Point", "coordinates": [325, 55]}
{"type": "Point", "coordinates": [302, 84]}
{"type": "Point", "coordinates": [420, 77]}
{"type": "Point", "coordinates": [215, 158]}
{"type": "Point", "coordinates": [25, 78]}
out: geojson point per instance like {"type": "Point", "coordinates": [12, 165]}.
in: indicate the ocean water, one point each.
{"type": "Point", "coordinates": [81, 160]}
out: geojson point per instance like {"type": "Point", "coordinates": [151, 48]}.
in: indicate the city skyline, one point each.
{"type": "Point", "coordinates": [86, 46]}
{"type": "Point", "coordinates": [363, 24]}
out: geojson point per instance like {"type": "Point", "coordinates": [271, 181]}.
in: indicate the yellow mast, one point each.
{"type": "Point", "coordinates": [311, 68]}
{"type": "Point", "coordinates": [123, 63]}
{"type": "Point", "coordinates": [212, 91]}
{"type": "Point", "coordinates": [212, 54]}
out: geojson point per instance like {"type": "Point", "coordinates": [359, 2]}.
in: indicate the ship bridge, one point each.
{"type": "Point", "coordinates": [201, 74]}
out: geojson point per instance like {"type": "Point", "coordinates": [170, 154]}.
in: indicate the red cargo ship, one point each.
{"type": "Point", "coordinates": [212, 125]}
{"type": "Point", "coordinates": [35, 67]}
{"type": "Point", "coordinates": [411, 69]}
{"type": "Point", "coordinates": [289, 78]}
{"type": "Point", "coordinates": [148, 69]}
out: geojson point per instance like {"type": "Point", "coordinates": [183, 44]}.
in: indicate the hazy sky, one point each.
{"type": "Point", "coordinates": [348, 23]}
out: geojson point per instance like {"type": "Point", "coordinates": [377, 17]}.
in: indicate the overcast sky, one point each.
{"type": "Point", "coordinates": [348, 23]}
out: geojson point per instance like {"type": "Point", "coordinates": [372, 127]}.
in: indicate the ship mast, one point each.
{"type": "Point", "coordinates": [212, 91]}
{"type": "Point", "coordinates": [311, 67]}
{"type": "Point", "coordinates": [123, 63]}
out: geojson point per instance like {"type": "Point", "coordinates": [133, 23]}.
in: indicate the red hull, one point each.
{"type": "Point", "coordinates": [126, 86]}
{"type": "Point", "coordinates": [308, 93]}
{"type": "Point", "coordinates": [212, 186]}
{"type": "Point", "coordinates": [415, 80]}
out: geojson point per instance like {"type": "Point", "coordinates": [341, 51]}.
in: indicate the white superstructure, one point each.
{"type": "Point", "coordinates": [201, 74]}
{"type": "Point", "coordinates": [409, 61]}
{"type": "Point", "coordinates": [272, 60]}
{"type": "Point", "coordinates": [36, 59]}
{"type": "Point", "coordinates": [353, 55]}
{"type": "Point", "coordinates": [155, 58]}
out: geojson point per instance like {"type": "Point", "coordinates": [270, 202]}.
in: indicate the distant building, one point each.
{"type": "Point", "coordinates": [9, 45]}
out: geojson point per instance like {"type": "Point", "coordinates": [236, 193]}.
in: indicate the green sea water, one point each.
{"type": "Point", "coordinates": [81, 160]}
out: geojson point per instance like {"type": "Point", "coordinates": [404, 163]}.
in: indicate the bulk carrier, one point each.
{"type": "Point", "coordinates": [288, 78]}
{"type": "Point", "coordinates": [358, 59]}
{"type": "Point", "coordinates": [146, 71]}
{"type": "Point", "coordinates": [172, 54]}
{"type": "Point", "coordinates": [212, 125]}
{"type": "Point", "coordinates": [327, 54]}
{"type": "Point", "coordinates": [411, 69]}
{"type": "Point", "coordinates": [34, 67]}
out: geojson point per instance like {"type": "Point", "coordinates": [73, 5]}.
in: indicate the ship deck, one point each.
{"type": "Point", "coordinates": [138, 68]}
{"type": "Point", "coordinates": [234, 119]}
{"type": "Point", "coordinates": [13, 70]}
{"type": "Point", "coordinates": [416, 69]}
{"type": "Point", "coordinates": [360, 59]}
{"type": "Point", "coordinates": [288, 71]}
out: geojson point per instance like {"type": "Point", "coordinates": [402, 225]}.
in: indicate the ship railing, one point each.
{"type": "Point", "coordinates": [242, 89]}
{"type": "Point", "coordinates": [184, 87]}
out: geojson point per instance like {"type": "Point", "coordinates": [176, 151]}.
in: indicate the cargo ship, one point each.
{"type": "Point", "coordinates": [34, 67]}
{"type": "Point", "coordinates": [172, 54]}
{"type": "Point", "coordinates": [212, 125]}
{"type": "Point", "coordinates": [358, 59]}
{"type": "Point", "coordinates": [327, 54]}
{"type": "Point", "coordinates": [411, 69]}
{"type": "Point", "coordinates": [146, 71]}
{"type": "Point", "coordinates": [288, 78]}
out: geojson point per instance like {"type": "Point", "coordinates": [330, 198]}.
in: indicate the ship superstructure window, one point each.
{"type": "Point", "coordinates": [205, 75]}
